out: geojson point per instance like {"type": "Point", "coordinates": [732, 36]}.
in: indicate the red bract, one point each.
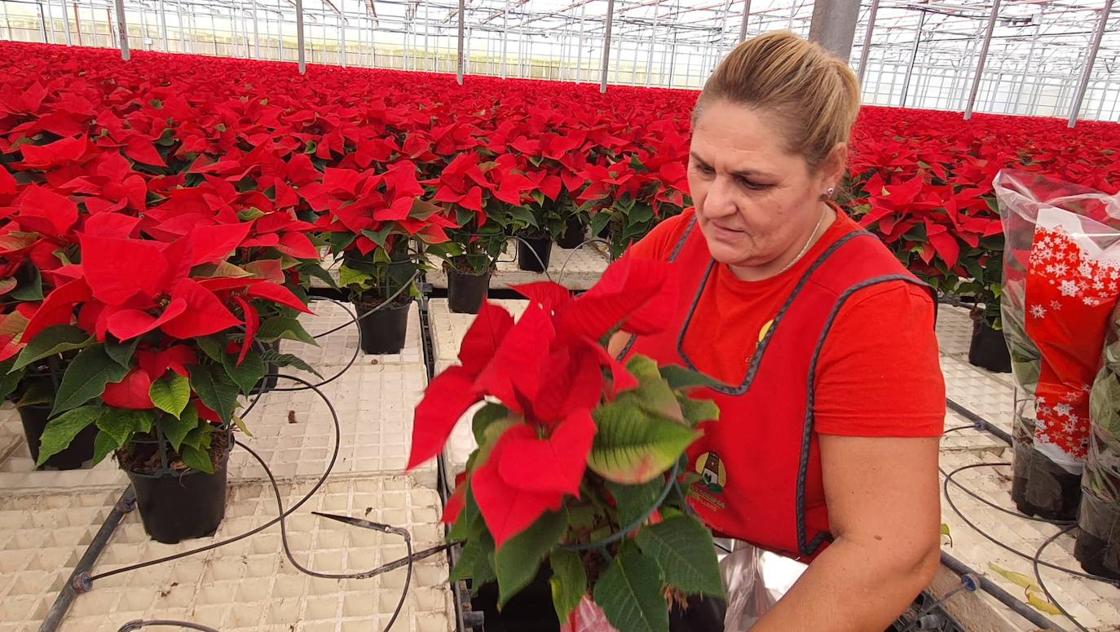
{"type": "Point", "coordinates": [547, 369]}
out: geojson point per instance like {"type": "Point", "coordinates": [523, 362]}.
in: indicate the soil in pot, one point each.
{"type": "Point", "coordinates": [466, 291]}
{"type": "Point", "coordinates": [988, 349]}
{"type": "Point", "coordinates": [384, 330]}
{"type": "Point", "coordinates": [527, 260]}
{"type": "Point", "coordinates": [574, 234]}
{"type": "Point", "coordinates": [75, 456]}
{"type": "Point", "coordinates": [1040, 487]}
{"type": "Point", "coordinates": [177, 506]}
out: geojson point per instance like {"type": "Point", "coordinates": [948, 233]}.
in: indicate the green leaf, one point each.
{"type": "Point", "coordinates": [947, 533]}
{"type": "Point", "coordinates": [33, 291]}
{"type": "Point", "coordinates": [86, 378]}
{"type": "Point", "coordinates": [470, 525]}
{"type": "Point", "coordinates": [599, 221]}
{"type": "Point", "coordinates": [633, 446]}
{"type": "Point", "coordinates": [103, 445]}
{"type": "Point", "coordinates": [121, 424]}
{"type": "Point", "coordinates": [280, 360]}
{"type": "Point", "coordinates": [634, 501]}
{"type": "Point", "coordinates": [517, 562]}
{"type": "Point", "coordinates": [36, 393]}
{"type": "Point", "coordinates": [171, 394]}
{"type": "Point", "coordinates": [569, 582]}
{"type": "Point", "coordinates": [697, 410]}
{"type": "Point", "coordinates": [197, 459]}
{"type": "Point", "coordinates": [485, 416]}
{"type": "Point", "coordinates": [476, 562]}
{"type": "Point", "coordinates": [177, 429]}
{"type": "Point", "coordinates": [52, 341]}
{"type": "Point", "coordinates": [61, 430]}
{"type": "Point", "coordinates": [318, 272]}
{"type": "Point", "coordinates": [248, 373]}
{"type": "Point", "coordinates": [285, 327]}
{"type": "Point", "coordinates": [629, 593]}
{"type": "Point", "coordinates": [653, 393]}
{"type": "Point", "coordinates": [240, 423]}
{"type": "Point", "coordinates": [683, 548]}
{"type": "Point", "coordinates": [215, 390]}
{"type": "Point", "coordinates": [348, 276]}
{"type": "Point", "coordinates": [211, 347]}
{"type": "Point", "coordinates": [679, 378]}
{"type": "Point", "coordinates": [9, 380]}
{"type": "Point", "coordinates": [121, 352]}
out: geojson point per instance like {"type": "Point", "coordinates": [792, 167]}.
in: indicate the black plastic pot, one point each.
{"type": "Point", "coordinates": [77, 455]}
{"type": "Point", "coordinates": [1039, 486]}
{"type": "Point", "coordinates": [180, 506]}
{"type": "Point", "coordinates": [988, 349]}
{"type": "Point", "coordinates": [466, 291]}
{"type": "Point", "coordinates": [1097, 556]}
{"type": "Point", "coordinates": [574, 234]}
{"type": "Point", "coordinates": [383, 331]}
{"type": "Point", "coordinates": [530, 262]}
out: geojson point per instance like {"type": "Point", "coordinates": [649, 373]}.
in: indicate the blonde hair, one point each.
{"type": "Point", "coordinates": [814, 95]}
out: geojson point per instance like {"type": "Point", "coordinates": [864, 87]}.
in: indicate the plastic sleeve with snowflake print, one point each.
{"type": "Point", "coordinates": [1072, 285]}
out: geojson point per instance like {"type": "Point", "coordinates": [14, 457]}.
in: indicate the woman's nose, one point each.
{"type": "Point", "coordinates": [719, 201]}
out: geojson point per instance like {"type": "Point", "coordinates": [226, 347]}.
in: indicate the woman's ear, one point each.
{"type": "Point", "coordinates": [834, 166]}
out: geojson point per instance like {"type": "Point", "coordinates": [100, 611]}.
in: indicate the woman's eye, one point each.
{"type": "Point", "coordinates": [752, 185]}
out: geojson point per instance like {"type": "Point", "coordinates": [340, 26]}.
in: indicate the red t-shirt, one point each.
{"type": "Point", "coordinates": [879, 374]}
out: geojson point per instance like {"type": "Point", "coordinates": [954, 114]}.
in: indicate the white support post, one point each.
{"type": "Point", "coordinates": [866, 50]}
{"type": "Point", "coordinates": [342, 37]}
{"type": "Point", "coordinates": [743, 22]}
{"type": "Point", "coordinates": [462, 24]}
{"type": "Point", "coordinates": [653, 43]}
{"type": "Point", "coordinates": [65, 22]}
{"type": "Point", "coordinates": [579, 44]}
{"type": "Point", "coordinates": [163, 25]}
{"type": "Point", "coordinates": [43, 22]}
{"type": "Point", "coordinates": [50, 21]}
{"type": "Point", "coordinates": [299, 38]}
{"type": "Point", "coordinates": [256, 31]}
{"type": "Point", "coordinates": [1030, 59]}
{"type": "Point", "coordinates": [913, 57]}
{"type": "Point", "coordinates": [979, 76]}
{"type": "Point", "coordinates": [122, 30]}
{"type": "Point", "coordinates": [505, 37]}
{"type": "Point", "coordinates": [1090, 59]}
{"type": "Point", "coordinates": [606, 46]}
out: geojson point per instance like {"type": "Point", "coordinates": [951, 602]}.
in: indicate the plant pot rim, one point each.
{"type": "Point", "coordinates": [448, 268]}
{"type": "Point", "coordinates": [222, 462]}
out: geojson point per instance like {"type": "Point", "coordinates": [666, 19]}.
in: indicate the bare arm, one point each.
{"type": "Point", "coordinates": [884, 509]}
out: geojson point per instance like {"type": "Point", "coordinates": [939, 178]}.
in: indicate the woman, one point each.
{"type": "Point", "coordinates": [831, 392]}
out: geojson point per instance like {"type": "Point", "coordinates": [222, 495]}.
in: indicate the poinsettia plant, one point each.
{"type": "Point", "coordinates": [375, 221]}
{"type": "Point", "coordinates": [579, 455]}
{"type": "Point", "coordinates": [167, 334]}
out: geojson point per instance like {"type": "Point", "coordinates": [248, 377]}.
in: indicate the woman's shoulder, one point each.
{"type": "Point", "coordinates": [660, 242]}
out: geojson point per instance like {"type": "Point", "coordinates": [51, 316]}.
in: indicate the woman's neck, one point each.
{"type": "Point", "coordinates": [791, 257]}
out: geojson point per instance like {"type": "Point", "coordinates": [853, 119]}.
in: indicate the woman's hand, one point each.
{"type": "Point", "coordinates": [884, 508]}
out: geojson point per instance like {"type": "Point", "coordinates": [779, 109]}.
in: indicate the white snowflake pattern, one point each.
{"type": "Point", "coordinates": [1063, 410]}
{"type": "Point", "coordinates": [1056, 306]}
{"type": "Point", "coordinates": [1038, 311]}
{"type": "Point", "coordinates": [1098, 284]}
{"type": "Point", "coordinates": [1069, 288]}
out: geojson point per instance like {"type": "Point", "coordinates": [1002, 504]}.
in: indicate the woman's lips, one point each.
{"type": "Point", "coordinates": [725, 234]}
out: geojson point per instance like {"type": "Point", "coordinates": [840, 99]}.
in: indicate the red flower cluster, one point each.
{"type": "Point", "coordinates": [547, 370]}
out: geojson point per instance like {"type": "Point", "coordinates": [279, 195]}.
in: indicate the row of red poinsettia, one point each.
{"type": "Point", "coordinates": [254, 169]}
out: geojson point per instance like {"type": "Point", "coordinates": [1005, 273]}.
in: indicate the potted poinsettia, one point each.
{"type": "Point", "coordinates": [377, 224]}
{"type": "Point", "coordinates": [579, 455]}
{"type": "Point", "coordinates": [168, 337]}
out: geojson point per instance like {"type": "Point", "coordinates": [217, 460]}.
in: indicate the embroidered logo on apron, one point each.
{"type": "Point", "coordinates": [708, 490]}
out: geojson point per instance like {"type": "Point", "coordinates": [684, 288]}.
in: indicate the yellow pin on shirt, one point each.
{"type": "Point", "coordinates": [765, 329]}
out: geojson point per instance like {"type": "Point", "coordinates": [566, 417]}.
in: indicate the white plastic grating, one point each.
{"type": "Point", "coordinates": [294, 433]}
{"type": "Point", "coordinates": [984, 393]}
{"type": "Point", "coordinates": [42, 537]}
{"type": "Point", "coordinates": [448, 329]}
{"type": "Point", "coordinates": [249, 585]}
{"type": "Point", "coordinates": [954, 331]}
{"type": "Point", "coordinates": [1095, 604]}
{"type": "Point", "coordinates": [578, 269]}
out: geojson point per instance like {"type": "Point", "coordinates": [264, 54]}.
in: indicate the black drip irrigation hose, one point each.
{"type": "Point", "coordinates": [1016, 605]}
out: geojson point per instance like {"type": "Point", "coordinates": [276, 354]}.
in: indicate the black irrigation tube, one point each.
{"type": "Point", "coordinates": [93, 551]}
{"type": "Point", "coordinates": [1001, 595]}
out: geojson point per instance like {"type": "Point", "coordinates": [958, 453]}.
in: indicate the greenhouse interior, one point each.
{"type": "Point", "coordinates": [573, 315]}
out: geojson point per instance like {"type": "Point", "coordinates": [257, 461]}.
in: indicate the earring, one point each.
{"type": "Point", "coordinates": [830, 191]}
